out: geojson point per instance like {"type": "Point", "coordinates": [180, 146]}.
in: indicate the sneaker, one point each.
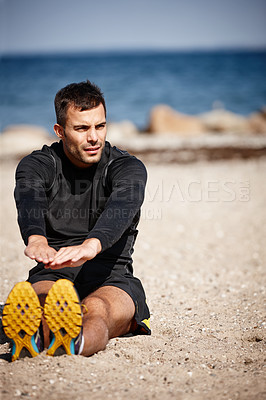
{"type": "Point", "coordinates": [21, 321]}
{"type": "Point", "coordinates": [62, 312]}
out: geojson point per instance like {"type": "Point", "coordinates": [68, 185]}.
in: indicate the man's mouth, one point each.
{"type": "Point", "coordinates": [92, 150]}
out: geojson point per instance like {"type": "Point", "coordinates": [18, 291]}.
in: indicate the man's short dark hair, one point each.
{"type": "Point", "coordinates": [84, 96]}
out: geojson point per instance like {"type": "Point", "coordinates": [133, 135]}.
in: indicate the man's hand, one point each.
{"type": "Point", "coordinates": [74, 256]}
{"type": "Point", "coordinates": [39, 250]}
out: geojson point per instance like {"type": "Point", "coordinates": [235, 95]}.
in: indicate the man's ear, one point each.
{"type": "Point", "coordinates": [59, 131]}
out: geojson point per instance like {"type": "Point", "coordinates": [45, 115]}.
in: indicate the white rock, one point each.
{"type": "Point", "coordinates": [120, 132]}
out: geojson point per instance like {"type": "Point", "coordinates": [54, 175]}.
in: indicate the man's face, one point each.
{"type": "Point", "coordinates": [83, 136]}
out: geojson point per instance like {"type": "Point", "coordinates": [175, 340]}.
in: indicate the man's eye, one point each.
{"type": "Point", "coordinates": [101, 126]}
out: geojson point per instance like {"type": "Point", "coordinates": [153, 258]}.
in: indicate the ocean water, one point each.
{"type": "Point", "coordinates": [133, 82]}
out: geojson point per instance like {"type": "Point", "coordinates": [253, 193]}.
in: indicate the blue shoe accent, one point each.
{"type": "Point", "coordinates": [13, 344]}
{"type": "Point", "coordinates": [72, 346]}
{"type": "Point", "coordinates": [34, 344]}
{"type": "Point", "coordinates": [52, 341]}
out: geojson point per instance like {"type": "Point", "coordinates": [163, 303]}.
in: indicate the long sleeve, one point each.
{"type": "Point", "coordinates": [127, 178]}
{"type": "Point", "coordinates": [34, 176]}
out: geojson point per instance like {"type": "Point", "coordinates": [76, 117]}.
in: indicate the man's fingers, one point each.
{"type": "Point", "coordinates": [32, 256]}
{"type": "Point", "coordinates": [37, 256]}
{"type": "Point", "coordinates": [51, 254]}
{"type": "Point", "coordinates": [73, 256]}
{"type": "Point", "coordinates": [62, 250]}
{"type": "Point", "coordinates": [70, 257]}
{"type": "Point", "coordinates": [62, 253]}
{"type": "Point", "coordinates": [58, 266]}
{"type": "Point", "coordinates": [68, 263]}
{"type": "Point", "coordinates": [51, 258]}
{"type": "Point", "coordinates": [29, 253]}
{"type": "Point", "coordinates": [41, 253]}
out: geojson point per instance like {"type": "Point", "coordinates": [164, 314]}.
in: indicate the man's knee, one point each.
{"type": "Point", "coordinates": [114, 306]}
{"type": "Point", "coordinates": [95, 306]}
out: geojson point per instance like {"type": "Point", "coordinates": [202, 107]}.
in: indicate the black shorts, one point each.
{"type": "Point", "coordinates": [95, 274]}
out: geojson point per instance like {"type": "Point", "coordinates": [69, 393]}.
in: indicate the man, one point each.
{"type": "Point", "coordinates": [78, 207]}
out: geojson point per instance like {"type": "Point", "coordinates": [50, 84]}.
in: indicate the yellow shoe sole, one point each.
{"type": "Point", "coordinates": [63, 315]}
{"type": "Point", "coordinates": [21, 319]}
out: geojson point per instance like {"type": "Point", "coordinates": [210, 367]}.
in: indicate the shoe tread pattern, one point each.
{"type": "Point", "coordinates": [22, 313]}
{"type": "Point", "coordinates": [62, 313]}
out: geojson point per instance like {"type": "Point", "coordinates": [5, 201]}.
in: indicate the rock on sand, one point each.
{"type": "Point", "coordinates": [164, 119]}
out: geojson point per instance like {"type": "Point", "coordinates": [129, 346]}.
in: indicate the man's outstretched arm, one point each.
{"type": "Point", "coordinates": [127, 178]}
{"type": "Point", "coordinates": [74, 256]}
{"type": "Point", "coordinates": [128, 181]}
{"type": "Point", "coordinates": [34, 176]}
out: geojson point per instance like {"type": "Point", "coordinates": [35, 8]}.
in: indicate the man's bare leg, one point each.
{"type": "Point", "coordinates": [42, 288]}
{"type": "Point", "coordinates": [110, 313]}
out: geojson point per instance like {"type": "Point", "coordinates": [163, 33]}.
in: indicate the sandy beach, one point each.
{"type": "Point", "coordinates": [201, 257]}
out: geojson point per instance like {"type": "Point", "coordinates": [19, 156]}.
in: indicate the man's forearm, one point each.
{"type": "Point", "coordinates": [34, 176]}
{"type": "Point", "coordinates": [93, 243]}
{"type": "Point", "coordinates": [127, 179]}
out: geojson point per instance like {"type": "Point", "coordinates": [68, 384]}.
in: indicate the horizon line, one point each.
{"type": "Point", "coordinates": [61, 52]}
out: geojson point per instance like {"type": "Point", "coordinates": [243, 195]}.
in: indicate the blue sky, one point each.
{"type": "Point", "coordinates": [68, 25]}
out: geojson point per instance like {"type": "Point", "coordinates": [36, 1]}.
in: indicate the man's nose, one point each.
{"type": "Point", "coordinates": [92, 135]}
